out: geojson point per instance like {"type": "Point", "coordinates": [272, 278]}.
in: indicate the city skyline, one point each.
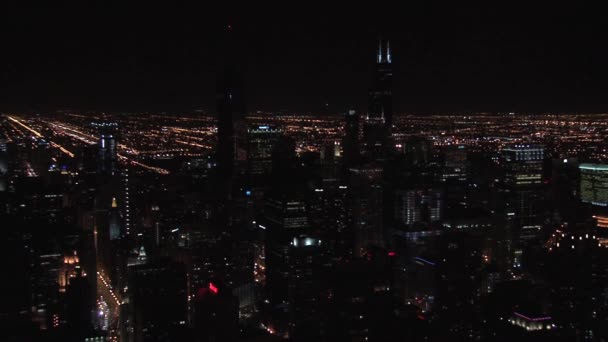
{"type": "Point", "coordinates": [362, 212]}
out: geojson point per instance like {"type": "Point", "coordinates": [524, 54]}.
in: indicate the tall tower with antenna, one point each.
{"type": "Point", "coordinates": [231, 128]}
{"type": "Point", "coordinates": [379, 118]}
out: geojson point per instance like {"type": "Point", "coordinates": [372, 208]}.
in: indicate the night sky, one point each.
{"type": "Point", "coordinates": [299, 59]}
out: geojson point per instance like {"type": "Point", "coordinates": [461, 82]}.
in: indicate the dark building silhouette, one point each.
{"type": "Point", "coordinates": [285, 217]}
{"type": "Point", "coordinates": [79, 306]}
{"type": "Point", "coordinates": [295, 266]}
{"type": "Point", "coordinates": [308, 292]}
{"type": "Point", "coordinates": [381, 96]}
{"type": "Point", "coordinates": [367, 201]}
{"type": "Point", "coordinates": [455, 164]}
{"type": "Point", "coordinates": [216, 314]}
{"type": "Point", "coordinates": [157, 302]}
{"type": "Point", "coordinates": [16, 289]}
{"type": "Point", "coordinates": [261, 141]}
{"type": "Point", "coordinates": [362, 305]}
{"type": "Point", "coordinates": [418, 151]}
{"type": "Point", "coordinates": [522, 181]}
{"type": "Point", "coordinates": [380, 112]}
{"type": "Point", "coordinates": [231, 127]}
{"type": "Point", "coordinates": [284, 161]}
{"type": "Point", "coordinates": [330, 212]}
{"type": "Point", "coordinates": [350, 142]}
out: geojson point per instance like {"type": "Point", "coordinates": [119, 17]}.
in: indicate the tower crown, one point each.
{"type": "Point", "coordinates": [384, 52]}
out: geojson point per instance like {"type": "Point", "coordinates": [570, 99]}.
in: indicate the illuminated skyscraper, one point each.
{"type": "Point", "coordinates": [126, 209]}
{"type": "Point", "coordinates": [261, 142]}
{"type": "Point", "coordinates": [523, 165]}
{"type": "Point", "coordinates": [521, 187]}
{"type": "Point", "coordinates": [114, 220]}
{"type": "Point", "coordinates": [523, 173]}
{"type": "Point", "coordinates": [594, 190]}
{"type": "Point", "coordinates": [107, 163]}
{"type": "Point", "coordinates": [414, 206]}
{"type": "Point", "coordinates": [594, 184]}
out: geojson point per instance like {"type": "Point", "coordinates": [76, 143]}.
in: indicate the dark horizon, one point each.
{"type": "Point", "coordinates": [317, 60]}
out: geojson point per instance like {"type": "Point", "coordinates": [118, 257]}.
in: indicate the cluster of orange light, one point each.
{"type": "Point", "coordinates": [71, 259]}
{"type": "Point", "coordinates": [103, 280]}
{"type": "Point", "coordinates": [147, 167]}
{"type": "Point", "coordinates": [602, 221]}
{"type": "Point", "coordinates": [36, 133]}
{"type": "Point", "coordinates": [89, 139]}
{"type": "Point", "coordinates": [62, 149]}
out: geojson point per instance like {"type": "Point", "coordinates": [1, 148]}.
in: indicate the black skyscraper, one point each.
{"type": "Point", "coordinates": [157, 306]}
{"type": "Point", "coordinates": [231, 128]}
{"type": "Point", "coordinates": [351, 139]}
{"type": "Point", "coordinates": [216, 314]}
{"type": "Point", "coordinates": [381, 96]}
{"type": "Point", "coordinates": [108, 157]}
{"type": "Point", "coordinates": [380, 113]}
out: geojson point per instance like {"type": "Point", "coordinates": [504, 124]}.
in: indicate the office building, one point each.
{"type": "Point", "coordinates": [594, 184]}
{"type": "Point", "coordinates": [523, 165]}
{"type": "Point", "coordinates": [107, 163]}
{"type": "Point", "coordinates": [522, 182]}
{"type": "Point", "coordinates": [455, 164]}
{"type": "Point", "coordinates": [418, 206]}
{"type": "Point", "coordinates": [262, 140]}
